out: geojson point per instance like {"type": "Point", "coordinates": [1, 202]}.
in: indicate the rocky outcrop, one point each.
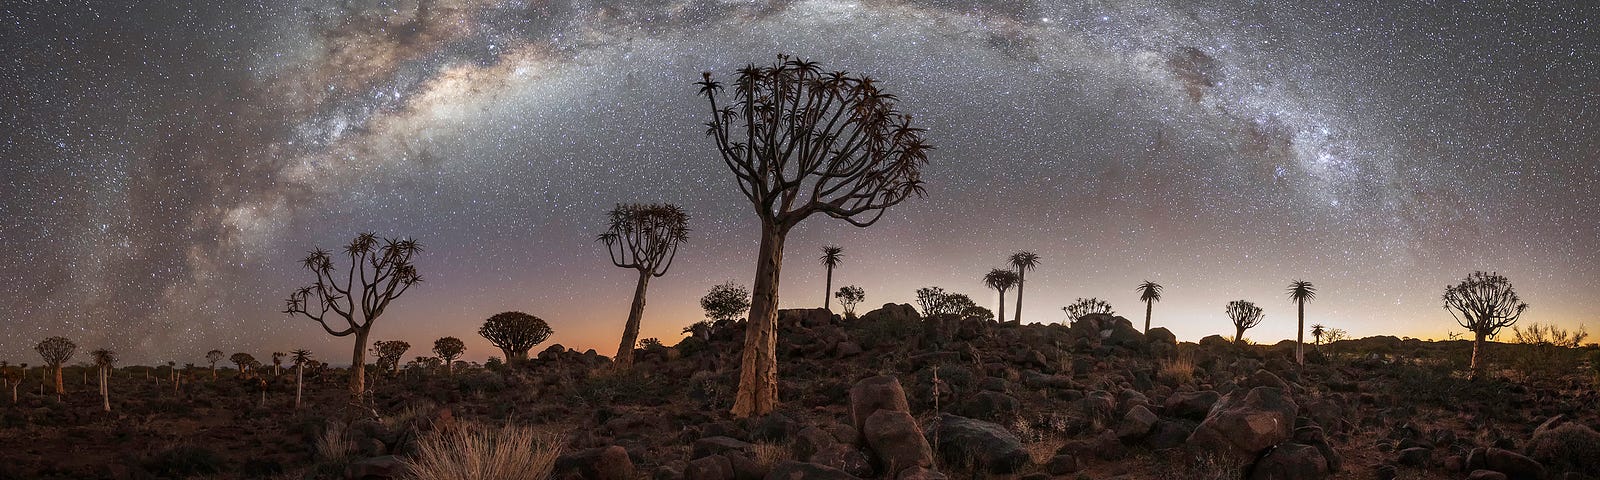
{"type": "Point", "coordinates": [1245, 424]}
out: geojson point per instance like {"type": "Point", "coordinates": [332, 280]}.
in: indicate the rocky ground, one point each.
{"type": "Point", "coordinates": [889, 395]}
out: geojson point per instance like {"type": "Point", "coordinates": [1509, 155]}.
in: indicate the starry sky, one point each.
{"type": "Point", "coordinates": [164, 165]}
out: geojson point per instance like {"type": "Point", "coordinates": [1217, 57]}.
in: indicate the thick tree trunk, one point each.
{"type": "Point", "coordinates": [1238, 336]}
{"type": "Point", "coordinates": [630, 331]}
{"type": "Point", "coordinates": [358, 365]}
{"type": "Point", "coordinates": [213, 372]}
{"type": "Point", "coordinates": [61, 388]}
{"type": "Point", "coordinates": [758, 368]}
{"type": "Point", "coordinates": [827, 292]}
{"type": "Point", "coordinates": [1148, 308]}
{"type": "Point", "coordinates": [1002, 313]}
{"type": "Point", "coordinates": [1475, 368]}
{"type": "Point", "coordinates": [1021, 280]}
{"type": "Point", "coordinates": [1300, 337]}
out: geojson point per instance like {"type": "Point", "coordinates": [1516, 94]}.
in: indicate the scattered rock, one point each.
{"type": "Point", "coordinates": [715, 445]}
{"type": "Point", "coordinates": [1290, 461]}
{"type": "Point", "coordinates": [792, 470]}
{"type": "Point", "coordinates": [375, 468]}
{"type": "Point", "coordinates": [1415, 457]}
{"type": "Point", "coordinates": [1136, 424]}
{"type": "Point", "coordinates": [980, 444]}
{"type": "Point", "coordinates": [1486, 475]}
{"type": "Point", "coordinates": [871, 394]}
{"type": "Point", "coordinates": [599, 463]}
{"type": "Point", "coordinates": [714, 467]}
{"type": "Point", "coordinates": [896, 441]}
{"type": "Point", "coordinates": [1246, 423]}
{"type": "Point", "coordinates": [1191, 405]}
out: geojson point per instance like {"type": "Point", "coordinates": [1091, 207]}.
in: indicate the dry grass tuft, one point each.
{"type": "Point", "coordinates": [476, 452]}
{"type": "Point", "coordinates": [335, 443]}
{"type": "Point", "coordinates": [769, 455]}
{"type": "Point", "coordinates": [1180, 369]}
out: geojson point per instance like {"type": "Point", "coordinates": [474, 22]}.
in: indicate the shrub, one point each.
{"type": "Point", "coordinates": [1570, 447]}
{"type": "Point", "coordinates": [334, 443]}
{"type": "Point", "coordinates": [1546, 351]}
{"type": "Point", "coordinates": [475, 452]}
{"type": "Point", "coordinates": [184, 461]}
{"type": "Point", "coordinates": [1179, 370]}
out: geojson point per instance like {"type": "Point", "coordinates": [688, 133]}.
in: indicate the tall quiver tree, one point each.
{"type": "Point", "coordinates": [1245, 314]}
{"type": "Point", "coordinates": [277, 362]}
{"type": "Point", "coordinates": [449, 349]}
{"type": "Point", "coordinates": [1001, 279]}
{"type": "Point", "coordinates": [299, 357]}
{"type": "Point", "coordinates": [1022, 261]}
{"type": "Point", "coordinates": [103, 361]}
{"type": "Point", "coordinates": [644, 238]}
{"type": "Point", "coordinates": [56, 351]}
{"type": "Point", "coordinates": [380, 270]}
{"type": "Point", "coordinates": [1300, 292]}
{"type": "Point", "coordinates": [1149, 293]}
{"type": "Point", "coordinates": [214, 356]}
{"type": "Point", "coordinates": [515, 333]}
{"type": "Point", "coordinates": [832, 256]}
{"type": "Point", "coordinates": [802, 142]}
{"type": "Point", "coordinates": [1483, 303]}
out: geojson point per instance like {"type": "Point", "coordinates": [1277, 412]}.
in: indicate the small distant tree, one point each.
{"type": "Point", "coordinates": [1300, 292]}
{"type": "Point", "coordinates": [515, 333]}
{"type": "Point", "coordinates": [56, 351]}
{"type": "Point", "coordinates": [277, 362]}
{"type": "Point", "coordinates": [380, 270]}
{"type": "Point", "coordinates": [651, 343]}
{"type": "Point", "coordinates": [1316, 334]}
{"type": "Point", "coordinates": [973, 310]}
{"type": "Point", "coordinates": [14, 376]}
{"type": "Point", "coordinates": [849, 296]}
{"type": "Point", "coordinates": [1000, 280]}
{"type": "Point", "coordinates": [1022, 261]}
{"type": "Point", "coordinates": [1149, 293]}
{"type": "Point", "coordinates": [1084, 307]}
{"type": "Point", "coordinates": [300, 357]}
{"type": "Point", "coordinates": [644, 238]}
{"type": "Point", "coordinates": [934, 301]}
{"type": "Point", "coordinates": [214, 356]}
{"type": "Point", "coordinates": [389, 353]}
{"type": "Point", "coordinates": [1483, 303]}
{"type": "Point", "coordinates": [832, 256]}
{"type": "Point", "coordinates": [104, 359]}
{"type": "Point", "coordinates": [1548, 351]}
{"type": "Point", "coordinates": [727, 301]}
{"type": "Point", "coordinates": [1245, 315]}
{"type": "Point", "coordinates": [449, 349]}
{"type": "Point", "coordinates": [242, 361]}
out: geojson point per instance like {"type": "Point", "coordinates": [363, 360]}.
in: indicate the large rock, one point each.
{"type": "Point", "coordinates": [1105, 329]}
{"type": "Point", "coordinates": [599, 463]}
{"type": "Point", "coordinates": [375, 468]}
{"type": "Point", "coordinates": [792, 470]}
{"type": "Point", "coordinates": [1566, 446]}
{"type": "Point", "coordinates": [982, 445]}
{"type": "Point", "coordinates": [806, 317]}
{"type": "Point", "coordinates": [1312, 435]}
{"type": "Point", "coordinates": [892, 312]}
{"type": "Point", "coordinates": [896, 441]}
{"type": "Point", "coordinates": [1515, 465]}
{"type": "Point", "coordinates": [919, 473]}
{"type": "Point", "coordinates": [871, 394]}
{"type": "Point", "coordinates": [1160, 342]}
{"type": "Point", "coordinates": [1290, 461]}
{"type": "Point", "coordinates": [715, 467]}
{"type": "Point", "coordinates": [992, 406]}
{"type": "Point", "coordinates": [1191, 405]}
{"type": "Point", "coordinates": [1136, 424]}
{"type": "Point", "coordinates": [715, 445]}
{"type": "Point", "coordinates": [1246, 423]}
{"type": "Point", "coordinates": [844, 458]}
{"type": "Point", "coordinates": [1168, 434]}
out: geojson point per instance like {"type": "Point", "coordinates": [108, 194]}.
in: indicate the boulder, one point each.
{"type": "Point", "coordinates": [806, 317]}
{"type": "Point", "coordinates": [1566, 447]}
{"type": "Point", "coordinates": [919, 473]}
{"type": "Point", "coordinates": [892, 312]}
{"type": "Point", "coordinates": [1168, 434]}
{"type": "Point", "coordinates": [871, 394]}
{"type": "Point", "coordinates": [1063, 464]}
{"type": "Point", "coordinates": [1246, 423]}
{"type": "Point", "coordinates": [844, 458]}
{"type": "Point", "coordinates": [715, 445]}
{"type": "Point", "coordinates": [982, 445]}
{"type": "Point", "coordinates": [599, 463]}
{"type": "Point", "coordinates": [792, 470]}
{"type": "Point", "coordinates": [376, 468]}
{"type": "Point", "coordinates": [1486, 475]}
{"type": "Point", "coordinates": [1312, 435]}
{"type": "Point", "coordinates": [1263, 378]}
{"type": "Point", "coordinates": [1160, 342]}
{"type": "Point", "coordinates": [1290, 461]}
{"type": "Point", "coordinates": [1215, 342]}
{"type": "Point", "coordinates": [896, 441]}
{"type": "Point", "coordinates": [1191, 405]}
{"type": "Point", "coordinates": [1136, 424]}
{"type": "Point", "coordinates": [810, 440]}
{"type": "Point", "coordinates": [992, 406]}
{"type": "Point", "coordinates": [714, 467]}
{"type": "Point", "coordinates": [1415, 457]}
{"type": "Point", "coordinates": [1515, 465]}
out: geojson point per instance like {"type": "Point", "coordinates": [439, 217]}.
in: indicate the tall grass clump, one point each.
{"type": "Point", "coordinates": [471, 451]}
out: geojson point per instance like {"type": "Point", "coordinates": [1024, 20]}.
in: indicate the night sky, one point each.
{"type": "Point", "coordinates": [164, 166]}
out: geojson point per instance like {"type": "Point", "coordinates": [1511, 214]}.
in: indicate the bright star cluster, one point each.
{"type": "Point", "coordinates": [163, 165]}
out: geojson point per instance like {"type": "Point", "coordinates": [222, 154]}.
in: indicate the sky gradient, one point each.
{"type": "Point", "coordinates": [166, 165]}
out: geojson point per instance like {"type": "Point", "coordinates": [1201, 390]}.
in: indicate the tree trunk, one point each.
{"type": "Point", "coordinates": [1475, 370]}
{"type": "Point", "coordinates": [514, 357]}
{"type": "Point", "coordinates": [105, 393]}
{"type": "Point", "coordinates": [827, 292]}
{"type": "Point", "coordinates": [213, 372]}
{"type": "Point", "coordinates": [630, 331]}
{"type": "Point", "coordinates": [1002, 313]}
{"type": "Point", "coordinates": [358, 365]}
{"type": "Point", "coordinates": [1238, 336]}
{"type": "Point", "coordinates": [299, 384]}
{"type": "Point", "coordinates": [1300, 337]}
{"type": "Point", "coordinates": [1017, 316]}
{"type": "Point", "coordinates": [1148, 307]}
{"type": "Point", "coordinates": [61, 388]}
{"type": "Point", "coordinates": [758, 368]}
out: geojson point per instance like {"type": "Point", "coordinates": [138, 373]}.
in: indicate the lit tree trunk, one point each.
{"type": "Point", "coordinates": [1475, 369]}
{"type": "Point", "coordinates": [1238, 336]}
{"type": "Point", "coordinates": [758, 371]}
{"type": "Point", "coordinates": [105, 393]}
{"type": "Point", "coordinates": [1021, 280]}
{"type": "Point", "coordinates": [630, 331]}
{"type": "Point", "coordinates": [358, 366]}
{"type": "Point", "coordinates": [827, 292]}
{"type": "Point", "coordinates": [1002, 315]}
{"type": "Point", "coordinates": [1300, 337]}
{"type": "Point", "coordinates": [61, 388]}
{"type": "Point", "coordinates": [1148, 308]}
{"type": "Point", "coordinates": [299, 383]}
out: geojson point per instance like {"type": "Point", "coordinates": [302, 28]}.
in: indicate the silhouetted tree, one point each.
{"type": "Point", "coordinates": [241, 360]}
{"type": "Point", "coordinates": [1149, 293]}
{"type": "Point", "coordinates": [56, 351]}
{"type": "Point", "coordinates": [1001, 280]}
{"type": "Point", "coordinates": [377, 275]}
{"type": "Point", "coordinates": [449, 349]}
{"type": "Point", "coordinates": [388, 354]}
{"type": "Point", "coordinates": [1300, 292]}
{"type": "Point", "coordinates": [725, 302]}
{"type": "Point", "coordinates": [1244, 314]}
{"type": "Point", "coordinates": [933, 301]}
{"type": "Point", "coordinates": [1316, 334]}
{"type": "Point", "coordinates": [14, 376]}
{"type": "Point", "coordinates": [644, 238]}
{"type": "Point", "coordinates": [832, 255]}
{"type": "Point", "coordinates": [104, 359]}
{"type": "Point", "coordinates": [1022, 261]}
{"type": "Point", "coordinates": [214, 356]}
{"type": "Point", "coordinates": [515, 333]}
{"type": "Point", "coordinates": [1085, 306]}
{"type": "Point", "coordinates": [300, 357]}
{"type": "Point", "coordinates": [803, 142]}
{"type": "Point", "coordinates": [849, 296]}
{"type": "Point", "coordinates": [277, 362]}
{"type": "Point", "coordinates": [1483, 303]}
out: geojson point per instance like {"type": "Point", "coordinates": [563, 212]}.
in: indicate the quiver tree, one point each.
{"type": "Point", "coordinates": [1300, 292]}
{"type": "Point", "coordinates": [214, 356]}
{"type": "Point", "coordinates": [801, 142]}
{"type": "Point", "coordinates": [725, 302]}
{"type": "Point", "coordinates": [277, 362]}
{"type": "Point", "coordinates": [103, 360]}
{"type": "Point", "coordinates": [515, 333]}
{"type": "Point", "coordinates": [849, 296]}
{"type": "Point", "coordinates": [380, 270]}
{"type": "Point", "coordinates": [1245, 314]}
{"type": "Point", "coordinates": [14, 377]}
{"type": "Point", "coordinates": [56, 351]}
{"type": "Point", "coordinates": [1149, 293]}
{"type": "Point", "coordinates": [300, 357]}
{"type": "Point", "coordinates": [1483, 303]}
{"type": "Point", "coordinates": [1022, 261]}
{"type": "Point", "coordinates": [1083, 307]}
{"type": "Point", "coordinates": [388, 354]}
{"type": "Point", "coordinates": [449, 349]}
{"type": "Point", "coordinates": [832, 256]}
{"type": "Point", "coordinates": [1316, 334]}
{"type": "Point", "coordinates": [644, 238]}
{"type": "Point", "coordinates": [1000, 280]}
{"type": "Point", "coordinates": [240, 360]}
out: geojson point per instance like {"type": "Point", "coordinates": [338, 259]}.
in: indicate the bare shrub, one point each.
{"type": "Point", "coordinates": [335, 442]}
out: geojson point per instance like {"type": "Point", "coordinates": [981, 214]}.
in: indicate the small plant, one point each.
{"type": "Point", "coordinates": [768, 455]}
{"type": "Point", "coordinates": [334, 444]}
{"type": "Point", "coordinates": [471, 451]}
{"type": "Point", "coordinates": [1179, 370]}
